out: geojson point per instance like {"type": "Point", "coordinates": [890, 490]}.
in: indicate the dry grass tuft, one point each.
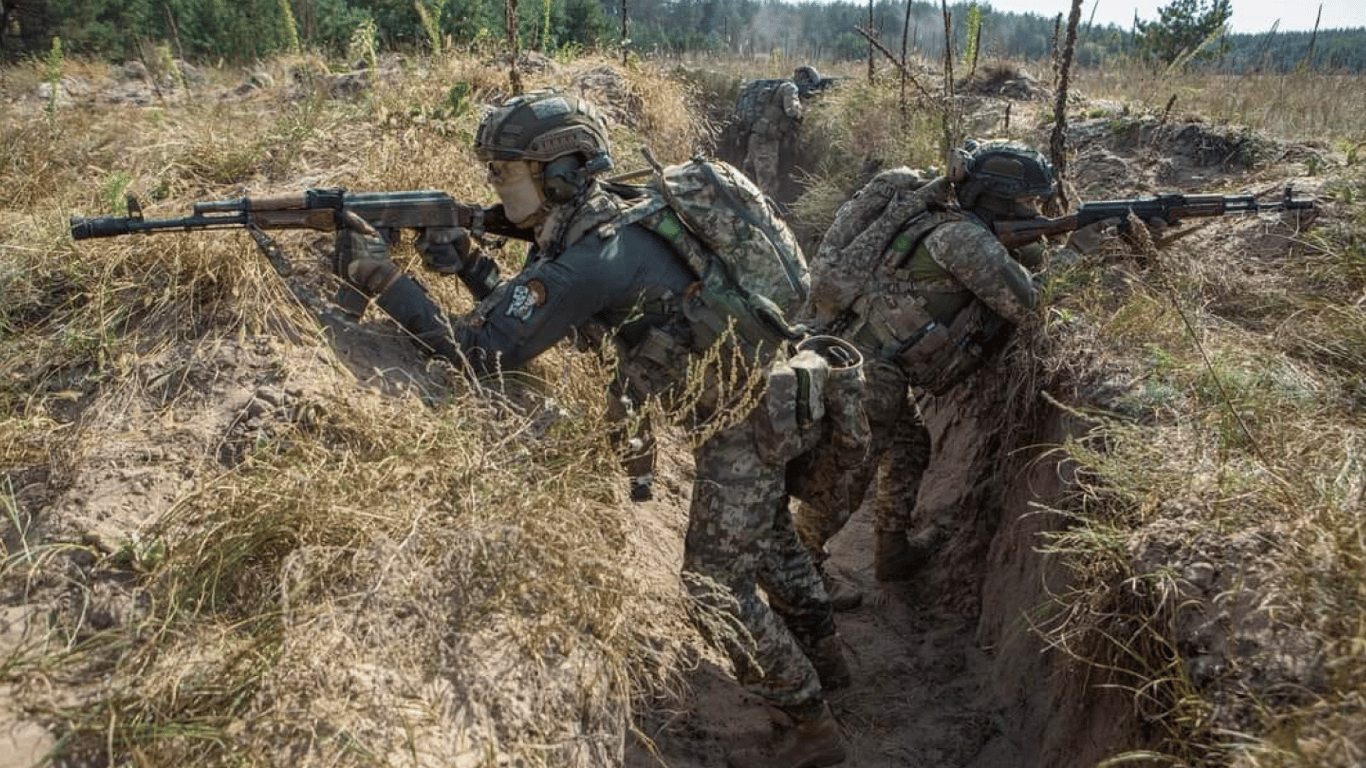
{"type": "Point", "coordinates": [408, 571]}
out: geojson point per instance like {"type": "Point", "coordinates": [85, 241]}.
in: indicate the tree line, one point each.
{"type": "Point", "coordinates": [1188, 32]}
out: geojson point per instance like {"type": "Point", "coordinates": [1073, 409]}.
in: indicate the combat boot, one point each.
{"type": "Point", "coordinates": [827, 656]}
{"type": "Point", "coordinates": [897, 558]}
{"type": "Point", "coordinates": [814, 742]}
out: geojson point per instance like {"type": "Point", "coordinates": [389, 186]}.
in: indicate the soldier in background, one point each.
{"type": "Point", "coordinates": [761, 139]}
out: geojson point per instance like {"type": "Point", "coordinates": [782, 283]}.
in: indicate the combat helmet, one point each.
{"type": "Point", "coordinates": [807, 78]}
{"type": "Point", "coordinates": [561, 131]}
{"type": "Point", "coordinates": [993, 175]}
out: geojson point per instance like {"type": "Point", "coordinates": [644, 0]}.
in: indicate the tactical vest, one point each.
{"type": "Point", "coordinates": [903, 307]}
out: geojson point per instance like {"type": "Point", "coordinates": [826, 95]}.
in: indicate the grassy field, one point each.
{"type": "Point", "coordinates": [218, 549]}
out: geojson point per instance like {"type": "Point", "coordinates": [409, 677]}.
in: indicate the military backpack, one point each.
{"type": "Point", "coordinates": [868, 248]}
{"type": "Point", "coordinates": [857, 243]}
{"type": "Point", "coordinates": [751, 271]}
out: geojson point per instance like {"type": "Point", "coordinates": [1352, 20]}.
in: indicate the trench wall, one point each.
{"type": "Point", "coordinates": [994, 463]}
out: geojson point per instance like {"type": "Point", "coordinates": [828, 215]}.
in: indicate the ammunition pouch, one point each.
{"type": "Point", "coordinates": [655, 365]}
{"type": "Point", "coordinates": [937, 357]}
{"type": "Point", "coordinates": [976, 335]}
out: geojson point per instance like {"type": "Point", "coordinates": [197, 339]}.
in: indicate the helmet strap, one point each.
{"type": "Point", "coordinates": [556, 218]}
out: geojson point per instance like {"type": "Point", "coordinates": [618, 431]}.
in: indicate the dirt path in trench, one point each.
{"type": "Point", "coordinates": [915, 699]}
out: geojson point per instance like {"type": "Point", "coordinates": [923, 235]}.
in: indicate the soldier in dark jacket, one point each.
{"type": "Point", "coordinates": [626, 284]}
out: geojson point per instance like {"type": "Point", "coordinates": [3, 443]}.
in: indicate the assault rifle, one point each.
{"type": "Point", "coordinates": [1171, 208]}
{"type": "Point", "coordinates": [324, 210]}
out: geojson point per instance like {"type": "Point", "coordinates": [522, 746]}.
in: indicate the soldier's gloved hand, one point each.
{"type": "Point", "coordinates": [1091, 237]}
{"type": "Point", "coordinates": [362, 257]}
{"type": "Point", "coordinates": [445, 249]}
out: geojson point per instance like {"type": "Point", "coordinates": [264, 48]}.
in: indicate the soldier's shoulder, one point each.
{"type": "Point", "coordinates": [964, 235]}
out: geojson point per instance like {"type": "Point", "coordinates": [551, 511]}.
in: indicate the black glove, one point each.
{"type": "Point", "coordinates": [445, 249]}
{"type": "Point", "coordinates": [361, 260]}
{"type": "Point", "coordinates": [451, 251]}
{"type": "Point", "coordinates": [356, 241]}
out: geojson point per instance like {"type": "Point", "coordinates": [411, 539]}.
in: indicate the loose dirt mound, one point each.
{"type": "Point", "coordinates": [1006, 83]}
{"type": "Point", "coordinates": [1148, 154]}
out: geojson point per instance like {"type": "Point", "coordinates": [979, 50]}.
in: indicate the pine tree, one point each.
{"type": "Point", "coordinates": [1185, 30]}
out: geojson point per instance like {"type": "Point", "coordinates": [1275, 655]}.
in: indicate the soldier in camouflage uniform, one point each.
{"type": "Point", "coordinates": [928, 294]}
{"type": "Point", "coordinates": [768, 116]}
{"type": "Point", "coordinates": [625, 284]}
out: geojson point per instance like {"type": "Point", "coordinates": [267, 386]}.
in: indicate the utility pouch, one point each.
{"type": "Point", "coordinates": [925, 354]}
{"type": "Point", "coordinates": [814, 400]}
{"type": "Point", "coordinates": [847, 433]}
{"type": "Point", "coordinates": [831, 473]}
{"type": "Point", "coordinates": [657, 363]}
{"type": "Point", "coordinates": [974, 337]}
{"type": "Point", "coordinates": [977, 334]}
{"type": "Point", "coordinates": [793, 407]}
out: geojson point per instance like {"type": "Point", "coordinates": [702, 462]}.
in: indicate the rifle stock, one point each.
{"type": "Point", "coordinates": [1171, 208]}
{"type": "Point", "coordinates": [1018, 232]}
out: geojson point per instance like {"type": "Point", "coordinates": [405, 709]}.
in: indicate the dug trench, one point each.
{"type": "Point", "coordinates": [951, 668]}
{"type": "Point", "coordinates": [973, 662]}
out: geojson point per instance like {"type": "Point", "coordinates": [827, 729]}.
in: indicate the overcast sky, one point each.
{"type": "Point", "coordinates": [1249, 16]}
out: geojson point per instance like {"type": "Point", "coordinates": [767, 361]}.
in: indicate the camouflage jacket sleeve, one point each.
{"type": "Point", "coordinates": [977, 259]}
{"type": "Point", "coordinates": [792, 101]}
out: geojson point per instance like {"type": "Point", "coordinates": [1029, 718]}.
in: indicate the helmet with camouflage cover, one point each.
{"type": "Point", "coordinates": [992, 176]}
{"type": "Point", "coordinates": [807, 78]}
{"type": "Point", "coordinates": [562, 132]}
{"type": "Point", "coordinates": [541, 126]}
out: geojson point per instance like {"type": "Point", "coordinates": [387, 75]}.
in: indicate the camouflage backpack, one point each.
{"type": "Point", "coordinates": [754, 97]}
{"type": "Point", "coordinates": [858, 240]}
{"type": "Point", "coordinates": [750, 268]}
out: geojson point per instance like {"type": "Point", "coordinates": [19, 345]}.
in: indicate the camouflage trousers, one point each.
{"type": "Point", "coordinates": [762, 161]}
{"type": "Point", "coordinates": [898, 455]}
{"type": "Point", "coordinates": [741, 539]}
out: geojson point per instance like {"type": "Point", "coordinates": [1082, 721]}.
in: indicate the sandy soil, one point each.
{"type": "Point", "coordinates": [914, 700]}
